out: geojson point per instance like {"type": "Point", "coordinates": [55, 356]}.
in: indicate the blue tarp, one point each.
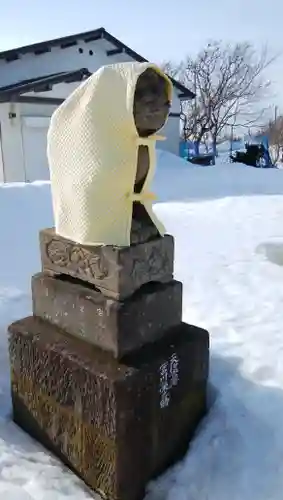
{"type": "Point", "coordinates": [188, 148]}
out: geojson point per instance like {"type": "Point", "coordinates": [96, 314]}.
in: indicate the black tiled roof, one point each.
{"type": "Point", "coordinates": [89, 36]}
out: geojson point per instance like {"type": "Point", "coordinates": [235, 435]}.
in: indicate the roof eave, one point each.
{"type": "Point", "coordinates": [187, 96]}
{"type": "Point", "coordinates": [94, 35]}
{"type": "Point", "coordinates": [12, 92]}
{"type": "Point", "coordinates": [64, 42]}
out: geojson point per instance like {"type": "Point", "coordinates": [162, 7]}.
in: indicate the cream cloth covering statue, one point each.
{"type": "Point", "coordinates": [92, 152]}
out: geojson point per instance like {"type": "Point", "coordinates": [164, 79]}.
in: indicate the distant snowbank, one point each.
{"type": "Point", "coordinates": [177, 179]}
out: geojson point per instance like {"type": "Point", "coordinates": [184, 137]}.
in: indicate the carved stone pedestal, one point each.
{"type": "Point", "coordinates": [116, 424]}
{"type": "Point", "coordinates": [105, 373]}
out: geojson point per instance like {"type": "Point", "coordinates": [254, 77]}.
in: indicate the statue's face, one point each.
{"type": "Point", "coordinates": [151, 102]}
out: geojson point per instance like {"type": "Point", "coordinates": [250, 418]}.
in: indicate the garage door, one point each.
{"type": "Point", "coordinates": [34, 135]}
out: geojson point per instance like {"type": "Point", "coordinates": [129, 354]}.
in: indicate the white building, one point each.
{"type": "Point", "coordinates": [36, 78]}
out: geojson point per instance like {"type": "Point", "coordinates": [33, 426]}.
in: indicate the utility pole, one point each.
{"type": "Point", "coordinates": [231, 139]}
{"type": "Point", "coordinates": [275, 114]}
{"type": "Point", "coordinates": [195, 103]}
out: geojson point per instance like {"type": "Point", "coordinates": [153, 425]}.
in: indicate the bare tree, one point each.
{"type": "Point", "coordinates": [230, 85]}
{"type": "Point", "coordinates": [274, 132]}
{"type": "Point", "coordinates": [194, 121]}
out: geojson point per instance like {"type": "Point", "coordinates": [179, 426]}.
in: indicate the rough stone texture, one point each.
{"type": "Point", "coordinates": [151, 103]}
{"type": "Point", "coordinates": [116, 424]}
{"type": "Point", "coordinates": [116, 271]}
{"type": "Point", "coordinates": [151, 109]}
{"type": "Point", "coordinates": [142, 229]}
{"type": "Point", "coordinates": [117, 326]}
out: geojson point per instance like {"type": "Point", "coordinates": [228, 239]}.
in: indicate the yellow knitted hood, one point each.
{"type": "Point", "coordinates": [92, 153]}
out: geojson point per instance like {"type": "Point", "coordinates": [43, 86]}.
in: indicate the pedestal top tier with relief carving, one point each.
{"type": "Point", "coordinates": [116, 271]}
{"type": "Point", "coordinates": [101, 153]}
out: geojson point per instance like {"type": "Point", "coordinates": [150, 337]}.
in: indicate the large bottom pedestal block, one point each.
{"type": "Point", "coordinates": [116, 424]}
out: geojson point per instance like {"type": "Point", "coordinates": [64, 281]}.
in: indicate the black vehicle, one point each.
{"type": "Point", "coordinates": [255, 155]}
{"type": "Point", "coordinates": [204, 160]}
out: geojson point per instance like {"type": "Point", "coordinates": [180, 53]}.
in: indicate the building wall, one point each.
{"type": "Point", "coordinates": [2, 179]}
{"type": "Point", "coordinates": [171, 129]}
{"type": "Point", "coordinates": [24, 139]}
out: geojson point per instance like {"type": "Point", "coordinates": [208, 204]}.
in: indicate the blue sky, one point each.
{"type": "Point", "coordinates": [162, 30]}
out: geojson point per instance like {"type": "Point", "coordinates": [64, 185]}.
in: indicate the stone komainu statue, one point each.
{"type": "Point", "coordinates": [101, 153]}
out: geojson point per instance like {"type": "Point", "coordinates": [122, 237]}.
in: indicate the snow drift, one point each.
{"type": "Point", "coordinates": [224, 219]}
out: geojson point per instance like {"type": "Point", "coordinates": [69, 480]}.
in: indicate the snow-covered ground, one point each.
{"type": "Point", "coordinates": [228, 225]}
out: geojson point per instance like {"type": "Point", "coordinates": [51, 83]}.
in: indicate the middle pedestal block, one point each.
{"type": "Point", "coordinates": [116, 326]}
